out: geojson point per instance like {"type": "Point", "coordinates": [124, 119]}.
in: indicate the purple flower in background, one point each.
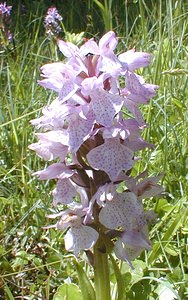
{"type": "Point", "coordinates": [5, 19]}
{"type": "Point", "coordinates": [52, 22]}
{"type": "Point", "coordinates": [5, 10]}
{"type": "Point", "coordinates": [94, 146]}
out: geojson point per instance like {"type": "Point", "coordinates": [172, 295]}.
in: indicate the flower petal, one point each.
{"type": "Point", "coordinates": [56, 170]}
{"type": "Point", "coordinates": [125, 252]}
{"type": "Point", "coordinates": [67, 48]}
{"type": "Point", "coordinates": [64, 192]}
{"type": "Point", "coordinates": [122, 211]}
{"type": "Point", "coordinates": [56, 136]}
{"type": "Point", "coordinates": [79, 130]}
{"type": "Point", "coordinates": [108, 43]}
{"type": "Point", "coordinates": [49, 150]}
{"type": "Point", "coordinates": [80, 238]}
{"type": "Point", "coordinates": [133, 108]}
{"type": "Point", "coordinates": [111, 157]}
{"type": "Point", "coordinates": [134, 60]}
{"type": "Point", "coordinates": [139, 92]}
{"type": "Point", "coordinates": [105, 106]}
{"type": "Point", "coordinates": [90, 47]}
{"type": "Point", "coordinates": [136, 238]}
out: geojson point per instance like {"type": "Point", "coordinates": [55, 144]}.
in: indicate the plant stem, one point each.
{"type": "Point", "coordinates": [101, 271]}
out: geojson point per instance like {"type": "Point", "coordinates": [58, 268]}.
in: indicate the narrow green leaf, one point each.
{"type": "Point", "coordinates": [8, 293]}
{"type": "Point", "coordinates": [119, 279]}
{"type": "Point", "coordinates": [100, 5]}
{"type": "Point", "coordinates": [168, 235]}
{"type": "Point", "coordinates": [85, 284]}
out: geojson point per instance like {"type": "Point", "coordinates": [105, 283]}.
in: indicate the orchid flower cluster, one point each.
{"type": "Point", "coordinates": [86, 133]}
{"type": "Point", "coordinates": [52, 22]}
{"type": "Point", "coordinates": [5, 34]}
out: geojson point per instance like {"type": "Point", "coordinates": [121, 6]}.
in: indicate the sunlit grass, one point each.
{"type": "Point", "coordinates": [33, 258]}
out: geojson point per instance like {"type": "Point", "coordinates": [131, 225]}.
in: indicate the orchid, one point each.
{"type": "Point", "coordinates": [94, 146]}
{"type": "Point", "coordinates": [52, 21]}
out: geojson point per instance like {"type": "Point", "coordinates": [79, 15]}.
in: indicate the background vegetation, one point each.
{"type": "Point", "coordinates": [33, 263]}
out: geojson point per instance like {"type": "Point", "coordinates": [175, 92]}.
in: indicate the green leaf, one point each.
{"type": "Point", "coordinates": [177, 102]}
{"type": "Point", "coordinates": [119, 279]}
{"type": "Point", "coordinates": [68, 291]}
{"type": "Point", "coordinates": [8, 293]}
{"type": "Point", "coordinates": [138, 271]}
{"type": "Point", "coordinates": [171, 231]}
{"type": "Point", "coordinates": [165, 285]}
{"type": "Point", "coordinates": [171, 251]}
{"type": "Point", "coordinates": [85, 284]}
{"type": "Point", "coordinates": [22, 259]}
{"type": "Point", "coordinates": [99, 5]}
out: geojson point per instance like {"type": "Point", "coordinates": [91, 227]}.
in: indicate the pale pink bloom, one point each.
{"type": "Point", "coordinates": [104, 193]}
{"type": "Point", "coordinates": [105, 106]}
{"type": "Point", "coordinates": [137, 90]}
{"type": "Point", "coordinates": [56, 170]}
{"type": "Point", "coordinates": [51, 145]}
{"type": "Point", "coordinates": [60, 78]}
{"type": "Point", "coordinates": [131, 244]}
{"type": "Point", "coordinates": [133, 108]}
{"type": "Point", "coordinates": [137, 238]}
{"type": "Point", "coordinates": [79, 130]}
{"type": "Point", "coordinates": [54, 115]}
{"type": "Point", "coordinates": [79, 237]}
{"type": "Point", "coordinates": [126, 212]}
{"type": "Point", "coordinates": [68, 49]}
{"type": "Point", "coordinates": [56, 136]}
{"type": "Point", "coordinates": [129, 131]}
{"type": "Point", "coordinates": [132, 59]}
{"type": "Point", "coordinates": [126, 252]}
{"type": "Point", "coordinates": [90, 47]}
{"type": "Point", "coordinates": [145, 188]}
{"type": "Point", "coordinates": [49, 150]}
{"type": "Point", "coordinates": [75, 58]}
{"type": "Point", "coordinates": [108, 43]}
{"type": "Point", "coordinates": [111, 157]}
{"type": "Point", "coordinates": [86, 130]}
{"type": "Point", "coordinates": [64, 192]}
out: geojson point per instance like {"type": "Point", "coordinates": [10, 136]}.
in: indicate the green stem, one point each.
{"type": "Point", "coordinates": [101, 272]}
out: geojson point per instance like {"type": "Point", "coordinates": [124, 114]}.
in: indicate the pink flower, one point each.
{"type": "Point", "coordinates": [126, 212]}
{"type": "Point", "coordinates": [56, 170]}
{"type": "Point", "coordinates": [79, 237]}
{"type": "Point", "coordinates": [93, 144]}
{"type": "Point", "coordinates": [132, 60]}
{"type": "Point", "coordinates": [111, 157]}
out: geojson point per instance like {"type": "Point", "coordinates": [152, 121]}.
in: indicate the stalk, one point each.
{"type": "Point", "coordinates": [101, 271]}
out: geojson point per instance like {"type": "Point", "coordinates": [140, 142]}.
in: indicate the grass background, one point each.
{"type": "Point", "coordinates": [33, 263]}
